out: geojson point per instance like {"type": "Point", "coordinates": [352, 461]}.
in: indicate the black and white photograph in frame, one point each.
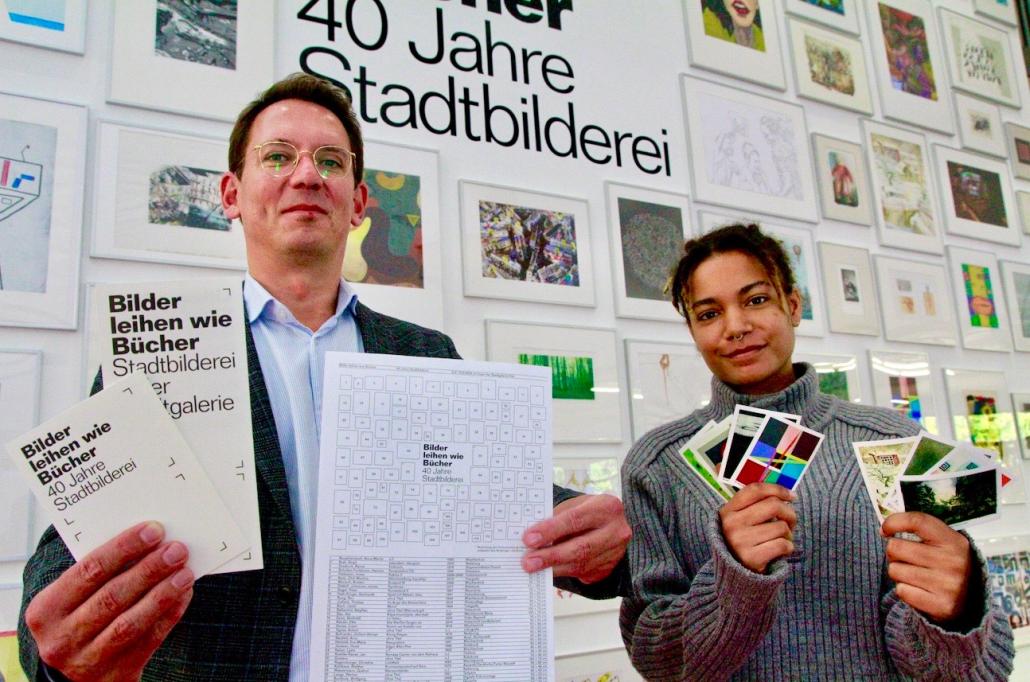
{"type": "Point", "coordinates": [915, 301]}
{"type": "Point", "coordinates": [982, 312]}
{"type": "Point", "coordinates": [742, 41]}
{"type": "Point", "coordinates": [19, 405]}
{"type": "Point", "coordinates": [851, 304]}
{"type": "Point", "coordinates": [830, 67]}
{"type": "Point", "coordinates": [844, 190]}
{"type": "Point", "coordinates": [979, 126]}
{"type": "Point", "coordinates": [838, 14]}
{"type": "Point", "coordinates": [52, 24]}
{"type": "Point", "coordinates": [976, 196]}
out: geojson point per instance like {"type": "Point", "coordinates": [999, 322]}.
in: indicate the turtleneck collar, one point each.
{"type": "Point", "coordinates": [802, 398]}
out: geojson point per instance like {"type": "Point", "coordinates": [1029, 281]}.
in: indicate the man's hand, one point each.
{"type": "Point", "coordinates": [932, 575]}
{"type": "Point", "coordinates": [585, 539]}
{"type": "Point", "coordinates": [106, 615]}
{"type": "Point", "coordinates": [757, 523]}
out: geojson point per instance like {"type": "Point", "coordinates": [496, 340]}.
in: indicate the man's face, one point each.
{"type": "Point", "coordinates": [301, 218]}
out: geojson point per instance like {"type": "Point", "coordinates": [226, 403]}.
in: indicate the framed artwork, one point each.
{"type": "Point", "coordinates": [981, 307]}
{"type": "Point", "coordinates": [909, 64]}
{"type": "Point", "coordinates": [163, 204]}
{"type": "Point", "coordinates": [1017, 297]}
{"type": "Point", "coordinates": [667, 381]}
{"type": "Point", "coordinates": [1008, 579]}
{"type": "Point", "coordinates": [1021, 409]}
{"type": "Point", "coordinates": [839, 14]}
{"type": "Point", "coordinates": [648, 229]}
{"type": "Point", "coordinates": [54, 25]}
{"type": "Point", "coordinates": [218, 60]}
{"type": "Point", "coordinates": [916, 304]}
{"type": "Point", "coordinates": [844, 192]}
{"type": "Point", "coordinates": [979, 58]}
{"type": "Point", "coordinates": [742, 43]}
{"type": "Point", "coordinates": [525, 246]}
{"type": "Point", "coordinates": [1023, 201]}
{"type": "Point", "coordinates": [1001, 10]}
{"type": "Point", "coordinates": [976, 196]}
{"type": "Point", "coordinates": [850, 296]}
{"type": "Point", "coordinates": [1018, 138]}
{"type": "Point", "coordinates": [42, 164]}
{"type": "Point", "coordinates": [748, 152]}
{"type": "Point", "coordinates": [838, 375]}
{"type": "Point", "coordinates": [830, 67]}
{"type": "Point", "coordinates": [394, 258]}
{"type": "Point", "coordinates": [903, 382]}
{"type": "Point", "coordinates": [980, 415]}
{"type": "Point", "coordinates": [584, 371]}
{"type": "Point", "coordinates": [903, 192]}
{"type": "Point", "coordinates": [611, 665]}
{"type": "Point", "coordinates": [979, 125]}
{"type": "Point", "coordinates": [19, 403]}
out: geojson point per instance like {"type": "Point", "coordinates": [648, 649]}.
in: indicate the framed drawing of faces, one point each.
{"type": "Point", "coordinates": [917, 306]}
{"type": "Point", "coordinates": [982, 316]}
{"type": "Point", "coordinates": [850, 296]}
{"type": "Point", "coordinates": [738, 39]}
{"type": "Point", "coordinates": [904, 383]}
{"type": "Point", "coordinates": [977, 193]}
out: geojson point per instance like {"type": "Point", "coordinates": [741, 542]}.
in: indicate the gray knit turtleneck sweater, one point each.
{"type": "Point", "coordinates": [827, 612]}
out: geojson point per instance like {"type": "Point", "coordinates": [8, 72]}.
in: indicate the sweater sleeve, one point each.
{"type": "Point", "coordinates": [678, 626]}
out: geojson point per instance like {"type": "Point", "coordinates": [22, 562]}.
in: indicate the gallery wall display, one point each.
{"type": "Point", "coordinates": [916, 303]}
{"type": "Point", "coordinates": [59, 25]}
{"type": "Point", "coordinates": [1016, 278]}
{"type": "Point", "coordinates": [667, 381]}
{"type": "Point", "coordinates": [830, 67]}
{"type": "Point", "coordinates": [584, 372]}
{"type": "Point", "coordinates": [1021, 410]}
{"type": "Point", "coordinates": [976, 193]}
{"type": "Point", "coordinates": [19, 405]}
{"type": "Point", "coordinates": [1018, 139]}
{"type": "Point", "coordinates": [1001, 10]}
{"type": "Point", "coordinates": [748, 152]}
{"type": "Point", "coordinates": [525, 246]}
{"type": "Point", "coordinates": [850, 295]}
{"type": "Point", "coordinates": [1008, 579]}
{"type": "Point", "coordinates": [979, 126]}
{"type": "Point", "coordinates": [979, 58]}
{"type": "Point", "coordinates": [904, 382]}
{"type": "Point", "coordinates": [218, 61]}
{"type": "Point", "coordinates": [982, 316]}
{"type": "Point", "coordinates": [42, 165]}
{"type": "Point", "coordinates": [648, 229]}
{"type": "Point", "coordinates": [742, 43]}
{"type": "Point", "coordinates": [839, 14]}
{"type": "Point", "coordinates": [844, 190]}
{"type": "Point", "coordinates": [839, 375]}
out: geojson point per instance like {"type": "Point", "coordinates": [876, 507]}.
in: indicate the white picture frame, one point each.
{"type": "Point", "coordinates": [979, 125]}
{"type": "Point", "coordinates": [53, 25]}
{"type": "Point", "coordinates": [982, 315]}
{"type": "Point", "coordinates": [917, 95]}
{"type": "Point", "coordinates": [748, 152]}
{"type": "Point", "coordinates": [19, 403]}
{"type": "Point", "coordinates": [667, 381]}
{"type": "Point", "coordinates": [714, 47]}
{"type": "Point", "coordinates": [140, 76]}
{"type": "Point", "coordinates": [844, 18]}
{"type": "Point", "coordinates": [999, 10]}
{"type": "Point", "coordinates": [1018, 139]}
{"type": "Point", "coordinates": [1021, 411]}
{"type": "Point", "coordinates": [915, 301]}
{"type": "Point", "coordinates": [648, 229]}
{"type": "Point", "coordinates": [904, 382]}
{"type": "Point", "coordinates": [839, 375]}
{"type": "Point", "coordinates": [1023, 202]}
{"type": "Point", "coordinates": [42, 171]}
{"type": "Point", "coordinates": [488, 211]}
{"type": "Point", "coordinates": [851, 303]}
{"type": "Point", "coordinates": [830, 67]}
{"type": "Point", "coordinates": [1008, 581]}
{"type": "Point", "coordinates": [597, 419]}
{"type": "Point", "coordinates": [976, 196]}
{"type": "Point", "coordinates": [904, 193]}
{"type": "Point", "coordinates": [163, 202]}
{"type": "Point", "coordinates": [993, 74]}
{"type": "Point", "coordinates": [846, 194]}
{"type": "Point", "coordinates": [1016, 278]}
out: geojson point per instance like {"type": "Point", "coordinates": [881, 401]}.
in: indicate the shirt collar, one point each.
{"type": "Point", "coordinates": [261, 304]}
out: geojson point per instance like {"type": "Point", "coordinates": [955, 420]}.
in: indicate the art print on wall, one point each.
{"type": "Point", "coordinates": [850, 296]}
{"type": "Point", "coordinates": [844, 192]}
{"type": "Point", "coordinates": [982, 314]}
{"type": "Point", "coordinates": [838, 375]}
{"type": "Point", "coordinates": [979, 58]}
{"type": "Point", "coordinates": [904, 200]}
{"type": "Point", "coordinates": [667, 381]}
{"type": "Point", "coordinates": [830, 67]}
{"type": "Point", "coordinates": [53, 24]}
{"type": "Point", "coordinates": [648, 229]}
{"type": "Point", "coordinates": [525, 245]}
{"type": "Point", "coordinates": [748, 152]}
{"type": "Point", "coordinates": [839, 14]}
{"type": "Point", "coordinates": [903, 382]}
{"type": "Point", "coordinates": [19, 404]}
{"type": "Point", "coordinates": [976, 196]}
{"type": "Point", "coordinates": [1001, 10]}
{"type": "Point", "coordinates": [42, 154]}
{"type": "Point", "coordinates": [979, 125]}
{"type": "Point", "coordinates": [1021, 409]}
{"type": "Point", "coordinates": [917, 306]}
{"type": "Point", "coordinates": [1008, 580]}
{"type": "Point", "coordinates": [1018, 138]}
{"type": "Point", "coordinates": [740, 39]}
{"type": "Point", "coordinates": [1017, 297]}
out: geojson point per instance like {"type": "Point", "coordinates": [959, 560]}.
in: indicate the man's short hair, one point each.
{"type": "Point", "coordinates": [304, 87]}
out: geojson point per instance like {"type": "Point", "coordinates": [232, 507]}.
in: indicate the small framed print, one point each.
{"type": "Point", "coordinates": [979, 126]}
{"type": "Point", "coordinates": [839, 14]}
{"type": "Point", "coordinates": [844, 192]}
{"type": "Point", "coordinates": [584, 370]}
{"type": "Point", "coordinates": [525, 246]}
{"type": "Point", "coordinates": [741, 44]}
{"type": "Point", "coordinates": [1008, 579]}
{"type": "Point", "coordinates": [54, 25]}
{"type": "Point", "coordinates": [1018, 138]}
{"type": "Point", "coordinates": [830, 67]}
{"type": "Point", "coordinates": [218, 60]}
{"type": "Point", "coordinates": [903, 382]}
{"type": "Point", "coordinates": [916, 304]}
{"type": "Point", "coordinates": [976, 196]}
{"type": "Point", "coordinates": [838, 375]}
{"type": "Point", "coordinates": [904, 200]}
{"type": "Point", "coordinates": [1017, 296]}
{"type": "Point", "coordinates": [850, 296]}
{"type": "Point", "coordinates": [19, 403]}
{"type": "Point", "coordinates": [909, 63]}
{"type": "Point", "coordinates": [648, 229]}
{"type": "Point", "coordinates": [979, 58]}
{"type": "Point", "coordinates": [1023, 201]}
{"type": "Point", "coordinates": [1001, 10]}
{"type": "Point", "coordinates": [981, 309]}
{"type": "Point", "coordinates": [667, 381]}
{"type": "Point", "coordinates": [1021, 409]}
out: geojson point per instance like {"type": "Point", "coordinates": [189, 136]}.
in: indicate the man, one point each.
{"type": "Point", "coordinates": [131, 607]}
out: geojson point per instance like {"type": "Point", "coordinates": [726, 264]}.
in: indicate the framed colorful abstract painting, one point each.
{"type": "Point", "coordinates": [1018, 139]}
{"type": "Point", "coordinates": [838, 375]}
{"type": "Point", "coordinates": [850, 295]}
{"type": "Point", "coordinates": [525, 246]}
{"type": "Point", "coordinates": [56, 25]}
{"type": "Point", "coordinates": [916, 303]}
{"type": "Point", "coordinates": [979, 58]}
{"type": "Point", "coordinates": [977, 195]}
{"type": "Point", "coordinates": [667, 381]}
{"type": "Point", "coordinates": [844, 190]}
{"type": "Point", "coordinates": [19, 403]}
{"type": "Point", "coordinates": [1017, 296]}
{"type": "Point", "coordinates": [982, 315]}
{"type": "Point", "coordinates": [648, 229]}
{"type": "Point", "coordinates": [740, 40]}
{"type": "Point", "coordinates": [904, 383]}
{"type": "Point", "coordinates": [830, 67]}
{"type": "Point", "coordinates": [839, 14]}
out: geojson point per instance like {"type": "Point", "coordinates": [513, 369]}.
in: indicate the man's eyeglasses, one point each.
{"type": "Point", "coordinates": [280, 159]}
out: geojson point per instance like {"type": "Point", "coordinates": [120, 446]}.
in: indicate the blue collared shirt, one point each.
{"type": "Point", "coordinates": [292, 359]}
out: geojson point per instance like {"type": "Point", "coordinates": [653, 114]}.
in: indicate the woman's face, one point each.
{"type": "Point", "coordinates": [742, 323]}
{"type": "Point", "coordinates": [742, 12]}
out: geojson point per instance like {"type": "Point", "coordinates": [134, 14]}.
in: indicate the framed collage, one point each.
{"type": "Point", "coordinates": [977, 195]}
{"type": "Point", "coordinates": [916, 302]}
{"type": "Point", "coordinates": [1016, 284]}
{"type": "Point", "coordinates": [830, 67]}
{"type": "Point", "coordinates": [979, 59]}
{"type": "Point", "coordinates": [982, 316]}
{"type": "Point", "coordinates": [19, 403]}
{"type": "Point", "coordinates": [743, 44]}
{"type": "Point", "coordinates": [903, 382]}
{"type": "Point", "coordinates": [844, 190]}
{"type": "Point", "coordinates": [850, 295]}
{"type": "Point", "coordinates": [667, 381]}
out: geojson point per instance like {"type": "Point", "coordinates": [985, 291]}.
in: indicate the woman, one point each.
{"type": "Point", "coordinates": [773, 585]}
{"type": "Point", "coordinates": [736, 21]}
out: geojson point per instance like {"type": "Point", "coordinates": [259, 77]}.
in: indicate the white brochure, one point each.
{"type": "Point", "coordinates": [430, 471]}
{"type": "Point", "coordinates": [188, 337]}
{"type": "Point", "coordinates": [116, 459]}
